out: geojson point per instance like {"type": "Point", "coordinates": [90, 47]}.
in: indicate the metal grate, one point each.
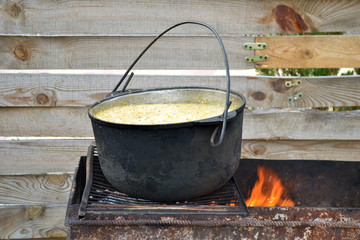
{"type": "Point", "coordinates": [100, 196]}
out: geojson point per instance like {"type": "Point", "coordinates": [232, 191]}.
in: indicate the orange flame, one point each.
{"type": "Point", "coordinates": [268, 190]}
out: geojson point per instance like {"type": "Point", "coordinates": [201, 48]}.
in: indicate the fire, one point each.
{"type": "Point", "coordinates": [268, 190]}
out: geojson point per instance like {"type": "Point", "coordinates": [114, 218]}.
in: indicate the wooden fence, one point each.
{"type": "Point", "coordinates": [51, 53]}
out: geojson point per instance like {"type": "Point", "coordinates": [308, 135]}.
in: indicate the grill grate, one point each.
{"type": "Point", "coordinates": [100, 196]}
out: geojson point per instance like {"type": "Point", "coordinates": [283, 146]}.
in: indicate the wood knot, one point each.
{"type": "Point", "coordinates": [34, 211]}
{"type": "Point", "coordinates": [308, 54]}
{"type": "Point", "coordinates": [56, 179]}
{"type": "Point", "coordinates": [21, 52]}
{"type": "Point", "coordinates": [42, 98]}
{"type": "Point", "coordinates": [259, 150]}
{"type": "Point", "coordinates": [57, 233]}
{"type": "Point", "coordinates": [14, 10]}
{"type": "Point", "coordinates": [259, 96]}
{"type": "Point", "coordinates": [279, 85]}
{"type": "Point", "coordinates": [25, 231]}
{"type": "Point", "coordinates": [289, 20]}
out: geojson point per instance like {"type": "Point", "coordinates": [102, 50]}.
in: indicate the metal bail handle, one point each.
{"type": "Point", "coordinates": [227, 103]}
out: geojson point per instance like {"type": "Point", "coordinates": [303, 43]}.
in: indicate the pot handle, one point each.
{"type": "Point", "coordinates": [227, 102]}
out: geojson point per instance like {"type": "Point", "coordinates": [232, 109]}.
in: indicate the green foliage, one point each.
{"type": "Point", "coordinates": [268, 72]}
{"type": "Point", "coordinates": [350, 72]}
{"type": "Point", "coordinates": [338, 109]}
{"type": "Point", "coordinates": [299, 72]}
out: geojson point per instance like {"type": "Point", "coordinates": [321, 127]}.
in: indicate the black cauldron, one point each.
{"type": "Point", "coordinates": [170, 162]}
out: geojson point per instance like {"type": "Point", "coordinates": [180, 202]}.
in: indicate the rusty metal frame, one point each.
{"type": "Point", "coordinates": [262, 223]}
{"type": "Point", "coordinates": [271, 222]}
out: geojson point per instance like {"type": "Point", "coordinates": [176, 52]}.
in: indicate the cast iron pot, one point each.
{"type": "Point", "coordinates": [170, 162]}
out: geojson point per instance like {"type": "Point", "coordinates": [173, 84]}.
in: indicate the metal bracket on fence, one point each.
{"type": "Point", "coordinates": [293, 83]}
{"type": "Point", "coordinates": [255, 46]}
{"type": "Point", "coordinates": [260, 58]}
{"type": "Point", "coordinates": [295, 97]}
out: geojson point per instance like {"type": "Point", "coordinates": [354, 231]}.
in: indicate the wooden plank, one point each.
{"type": "Point", "coordinates": [18, 89]}
{"type": "Point", "coordinates": [310, 52]}
{"type": "Point", "coordinates": [41, 156]}
{"type": "Point", "coordinates": [110, 17]}
{"type": "Point", "coordinates": [119, 52]}
{"type": "Point", "coordinates": [299, 124]}
{"type": "Point", "coordinates": [39, 189]}
{"type": "Point", "coordinates": [45, 156]}
{"type": "Point", "coordinates": [32, 221]}
{"type": "Point", "coordinates": [297, 150]}
{"type": "Point", "coordinates": [176, 52]}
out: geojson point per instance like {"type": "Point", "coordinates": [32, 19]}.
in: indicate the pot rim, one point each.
{"type": "Point", "coordinates": [206, 121]}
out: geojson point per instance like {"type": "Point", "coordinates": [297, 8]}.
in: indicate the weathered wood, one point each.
{"type": "Point", "coordinates": [109, 34]}
{"type": "Point", "coordinates": [176, 52]}
{"type": "Point", "coordinates": [258, 124]}
{"type": "Point", "coordinates": [32, 221]}
{"type": "Point", "coordinates": [120, 52]}
{"type": "Point", "coordinates": [46, 156]}
{"type": "Point", "coordinates": [40, 189]}
{"type": "Point", "coordinates": [110, 17]}
{"type": "Point", "coordinates": [301, 124]}
{"type": "Point", "coordinates": [19, 89]}
{"type": "Point", "coordinates": [41, 156]}
{"type": "Point", "coordinates": [302, 150]}
{"type": "Point", "coordinates": [310, 52]}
